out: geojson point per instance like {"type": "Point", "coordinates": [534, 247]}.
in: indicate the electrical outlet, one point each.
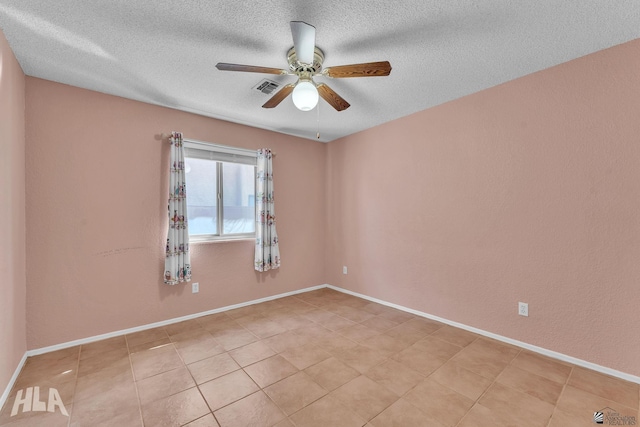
{"type": "Point", "coordinates": [344, 269]}
{"type": "Point", "coordinates": [523, 309]}
{"type": "Point", "coordinates": [195, 288]}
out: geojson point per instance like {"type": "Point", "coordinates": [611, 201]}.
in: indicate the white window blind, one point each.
{"type": "Point", "coordinates": [201, 150]}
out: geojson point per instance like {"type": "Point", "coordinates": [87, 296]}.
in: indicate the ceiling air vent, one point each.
{"type": "Point", "coordinates": [267, 86]}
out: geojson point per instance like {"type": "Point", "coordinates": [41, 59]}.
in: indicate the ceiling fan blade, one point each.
{"type": "Point", "coordinates": [279, 96]}
{"type": "Point", "coordinates": [368, 69]}
{"type": "Point", "coordinates": [329, 95]}
{"type": "Point", "coordinates": [304, 40]}
{"type": "Point", "coordinates": [249, 68]}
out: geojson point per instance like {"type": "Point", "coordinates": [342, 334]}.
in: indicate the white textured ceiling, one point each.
{"type": "Point", "coordinates": [164, 51]}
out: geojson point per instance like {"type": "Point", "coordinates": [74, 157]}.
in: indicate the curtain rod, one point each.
{"type": "Point", "coordinates": [164, 136]}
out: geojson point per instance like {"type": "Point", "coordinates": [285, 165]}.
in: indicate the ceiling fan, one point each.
{"type": "Point", "coordinates": [305, 61]}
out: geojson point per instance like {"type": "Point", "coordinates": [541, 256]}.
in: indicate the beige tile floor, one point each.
{"type": "Point", "coordinates": [320, 358]}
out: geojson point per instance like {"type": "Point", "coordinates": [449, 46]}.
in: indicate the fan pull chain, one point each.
{"type": "Point", "coordinates": [318, 122]}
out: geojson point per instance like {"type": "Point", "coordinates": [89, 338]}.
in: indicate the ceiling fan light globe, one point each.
{"type": "Point", "coordinates": [305, 96]}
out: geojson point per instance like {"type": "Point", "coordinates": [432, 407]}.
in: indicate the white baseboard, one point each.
{"type": "Point", "coordinates": [88, 340]}
{"type": "Point", "coordinates": [536, 349]}
{"type": "Point", "coordinates": [12, 381]}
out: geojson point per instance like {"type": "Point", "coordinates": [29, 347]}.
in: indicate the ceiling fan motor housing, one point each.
{"type": "Point", "coordinates": [302, 69]}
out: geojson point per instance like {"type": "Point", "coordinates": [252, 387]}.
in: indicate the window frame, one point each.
{"type": "Point", "coordinates": [227, 150]}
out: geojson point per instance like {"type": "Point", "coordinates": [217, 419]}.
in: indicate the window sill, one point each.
{"type": "Point", "coordinates": [223, 240]}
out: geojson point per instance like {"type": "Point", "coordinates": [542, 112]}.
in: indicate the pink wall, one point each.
{"type": "Point", "coordinates": [529, 191]}
{"type": "Point", "coordinates": [96, 210]}
{"type": "Point", "coordinates": [13, 342]}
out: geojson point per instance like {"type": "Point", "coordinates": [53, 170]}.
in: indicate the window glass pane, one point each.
{"type": "Point", "coordinates": [238, 196]}
{"type": "Point", "coordinates": [202, 212]}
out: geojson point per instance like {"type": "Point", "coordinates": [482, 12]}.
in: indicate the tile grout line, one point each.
{"type": "Point", "coordinates": [510, 363]}
{"type": "Point", "coordinates": [495, 380]}
{"type": "Point", "coordinates": [426, 377]}
{"type": "Point", "coordinates": [303, 370]}
{"type": "Point", "coordinates": [490, 335]}
{"type": "Point", "coordinates": [185, 365]}
{"type": "Point", "coordinates": [75, 386]}
{"type": "Point", "coordinates": [564, 386]}
{"type": "Point", "coordinates": [593, 394]}
{"type": "Point", "coordinates": [387, 358]}
{"type": "Point", "coordinates": [241, 368]}
{"type": "Point", "coordinates": [286, 416]}
{"type": "Point", "coordinates": [330, 391]}
{"type": "Point", "coordinates": [390, 358]}
{"type": "Point", "coordinates": [135, 382]}
{"type": "Point", "coordinates": [197, 386]}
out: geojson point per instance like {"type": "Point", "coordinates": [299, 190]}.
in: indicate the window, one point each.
{"type": "Point", "coordinates": [220, 191]}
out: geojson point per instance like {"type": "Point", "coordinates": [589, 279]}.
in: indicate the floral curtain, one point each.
{"type": "Point", "coordinates": [267, 252]}
{"type": "Point", "coordinates": [177, 265]}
